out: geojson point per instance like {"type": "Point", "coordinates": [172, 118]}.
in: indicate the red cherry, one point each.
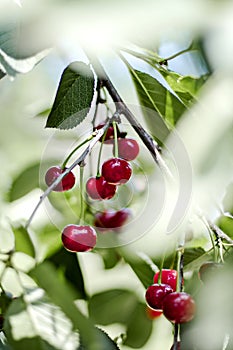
{"type": "Point", "coordinates": [109, 134]}
{"type": "Point", "coordinates": [153, 314]}
{"type": "Point", "coordinates": [128, 149]}
{"type": "Point", "coordinates": [179, 307]}
{"type": "Point", "coordinates": [99, 188]}
{"type": "Point", "coordinates": [111, 219]}
{"type": "Point", "coordinates": [116, 171]}
{"type": "Point", "coordinates": [168, 277]}
{"type": "Point", "coordinates": [156, 293]}
{"type": "Point", "coordinates": [76, 238]}
{"type": "Point", "coordinates": [65, 184]}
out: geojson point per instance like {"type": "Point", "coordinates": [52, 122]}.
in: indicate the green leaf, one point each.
{"type": "Point", "coordinates": [161, 107]}
{"type": "Point", "coordinates": [23, 242]}
{"type": "Point", "coordinates": [67, 263]}
{"type": "Point", "coordinates": [139, 328]}
{"type": "Point", "coordinates": [121, 303]}
{"type": "Point", "coordinates": [63, 296]}
{"type": "Point", "coordinates": [186, 87]}
{"type": "Point", "coordinates": [15, 57]}
{"type": "Point", "coordinates": [27, 180]}
{"type": "Point", "coordinates": [142, 270]}
{"type": "Point", "coordinates": [73, 98]}
{"type": "Point", "coordinates": [31, 322]}
{"type": "Point", "coordinates": [110, 257]}
{"type": "Point", "coordinates": [228, 199]}
{"type": "Point", "coordinates": [194, 257]}
{"type": "Point", "coordinates": [107, 342]}
{"type": "Point", "coordinates": [225, 223]}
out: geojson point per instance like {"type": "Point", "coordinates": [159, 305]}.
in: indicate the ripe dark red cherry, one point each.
{"type": "Point", "coordinates": [179, 307]}
{"type": "Point", "coordinates": [168, 277]}
{"type": "Point", "coordinates": [111, 219]}
{"type": "Point", "coordinates": [155, 295]}
{"type": "Point", "coordinates": [109, 134]}
{"type": "Point", "coordinates": [77, 238]}
{"type": "Point", "coordinates": [67, 182]}
{"type": "Point", "coordinates": [153, 314]}
{"type": "Point", "coordinates": [128, 149]}
{"type": "Point", "coordinates": [99, 188]}
{"type": "Point", "coordinates": [116, 171]}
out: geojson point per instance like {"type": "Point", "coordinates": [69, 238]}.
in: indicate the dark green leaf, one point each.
{"type": "Point", "coordinates": [23, 242]}
{"type": "Point", "coordinates": [107, 342]}
{"type": "Point", "coordinates": [2, 75]}
{"type": "Point", "coordinates": [121, 303]}
{"type": "Point", "coordinates": [27, 180]}
{"type": "Point", "coordinates": [225, 223]}
{"type": "Point", "coordinates": [142, 270]}
{"type": "Point", "coordinates": [73, 98]}
{"type": "Point", "coordinates": [31, 322]}
{"type": "Point", "coordinates": [139, 328]}
{"type": "Point", "coordinates": [110, 257]}
{"type": "Point", "coordinates": [67, 263]}
{"type": "Point", "coordinates": [159, 104]}
{"type": "Point", "coordinates": [191, 254]}
{"type": "Point", "coordinates": [63, 295]}
{"type": "Point", "coordinates": [194, 257]}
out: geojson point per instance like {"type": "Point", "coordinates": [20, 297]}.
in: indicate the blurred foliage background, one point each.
{"type": "Point", "coordinates": [60, 29]}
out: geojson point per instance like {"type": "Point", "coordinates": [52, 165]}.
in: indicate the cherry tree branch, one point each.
{"type": "Point", "coordinates": [122, 108]}
{"type": "Point", "coordinates": [80, 160]}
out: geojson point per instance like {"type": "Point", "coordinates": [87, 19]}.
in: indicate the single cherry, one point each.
{"type": "Point", "coordinates": [167, 277]}
{"type": "Point", "coordinates": [153, 314]}
{"type": "Point", "coordinates": [179, 307]}
{"type": "Point", "coordinates": [77, 238]}
{"type": "Point", "coordinates": [65, 184]}
{"type": "Point", "coordinates": [155, 295]}
{"type": "Point", "coordinates": [128, 149]}
{"type": "Point", "coordinates": [99, 188]}
{"type": "Point", "coordinates": [111, 219]}
{"type": "Point", "coordinates": [109, 134]}
{"type": "Point", "coordinates": [208, 270]}
{"type": "Point", "coordinates": [116, 171]}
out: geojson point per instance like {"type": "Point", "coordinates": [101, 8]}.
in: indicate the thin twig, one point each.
{"type": "Point", "coordinates": [98, 134]}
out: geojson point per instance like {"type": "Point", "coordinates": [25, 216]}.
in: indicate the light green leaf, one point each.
{"type": "Point", "coordinates": [73, 98]}
{"type": "Point", "coordinates": [23, 242]}
{"type": "Point", "coordinates": [63, 296]}
{"type": "Point", "coordinates": [142, 270]}
{"type": "Point", "coordinates": [186, 87]}
{"type": "Point", "coordinates": [15, 57]}
{"type": "Point", "coordinates": [100, 304]}
{"type": "Point", "coordinates": [31, 322]}
{"type": "Point", "coordinates": [161, 107]}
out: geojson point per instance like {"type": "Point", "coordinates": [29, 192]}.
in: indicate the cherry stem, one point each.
{"type": "Point", "coordinates": [81, 182]}
{"type": "Point", "coordinates": [96, 136]}
{"type": "Point", "coordinates": [98, 173]}
{"type": "Point", "coordinates": [75, 149]}
{"type": "Point", "coordinates": [115, 139]}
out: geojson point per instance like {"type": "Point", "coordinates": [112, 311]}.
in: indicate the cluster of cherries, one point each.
{"type": "Point", "coordinates": [177, 307]}
{"type": "Point", "coordinates": [114, 172]}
